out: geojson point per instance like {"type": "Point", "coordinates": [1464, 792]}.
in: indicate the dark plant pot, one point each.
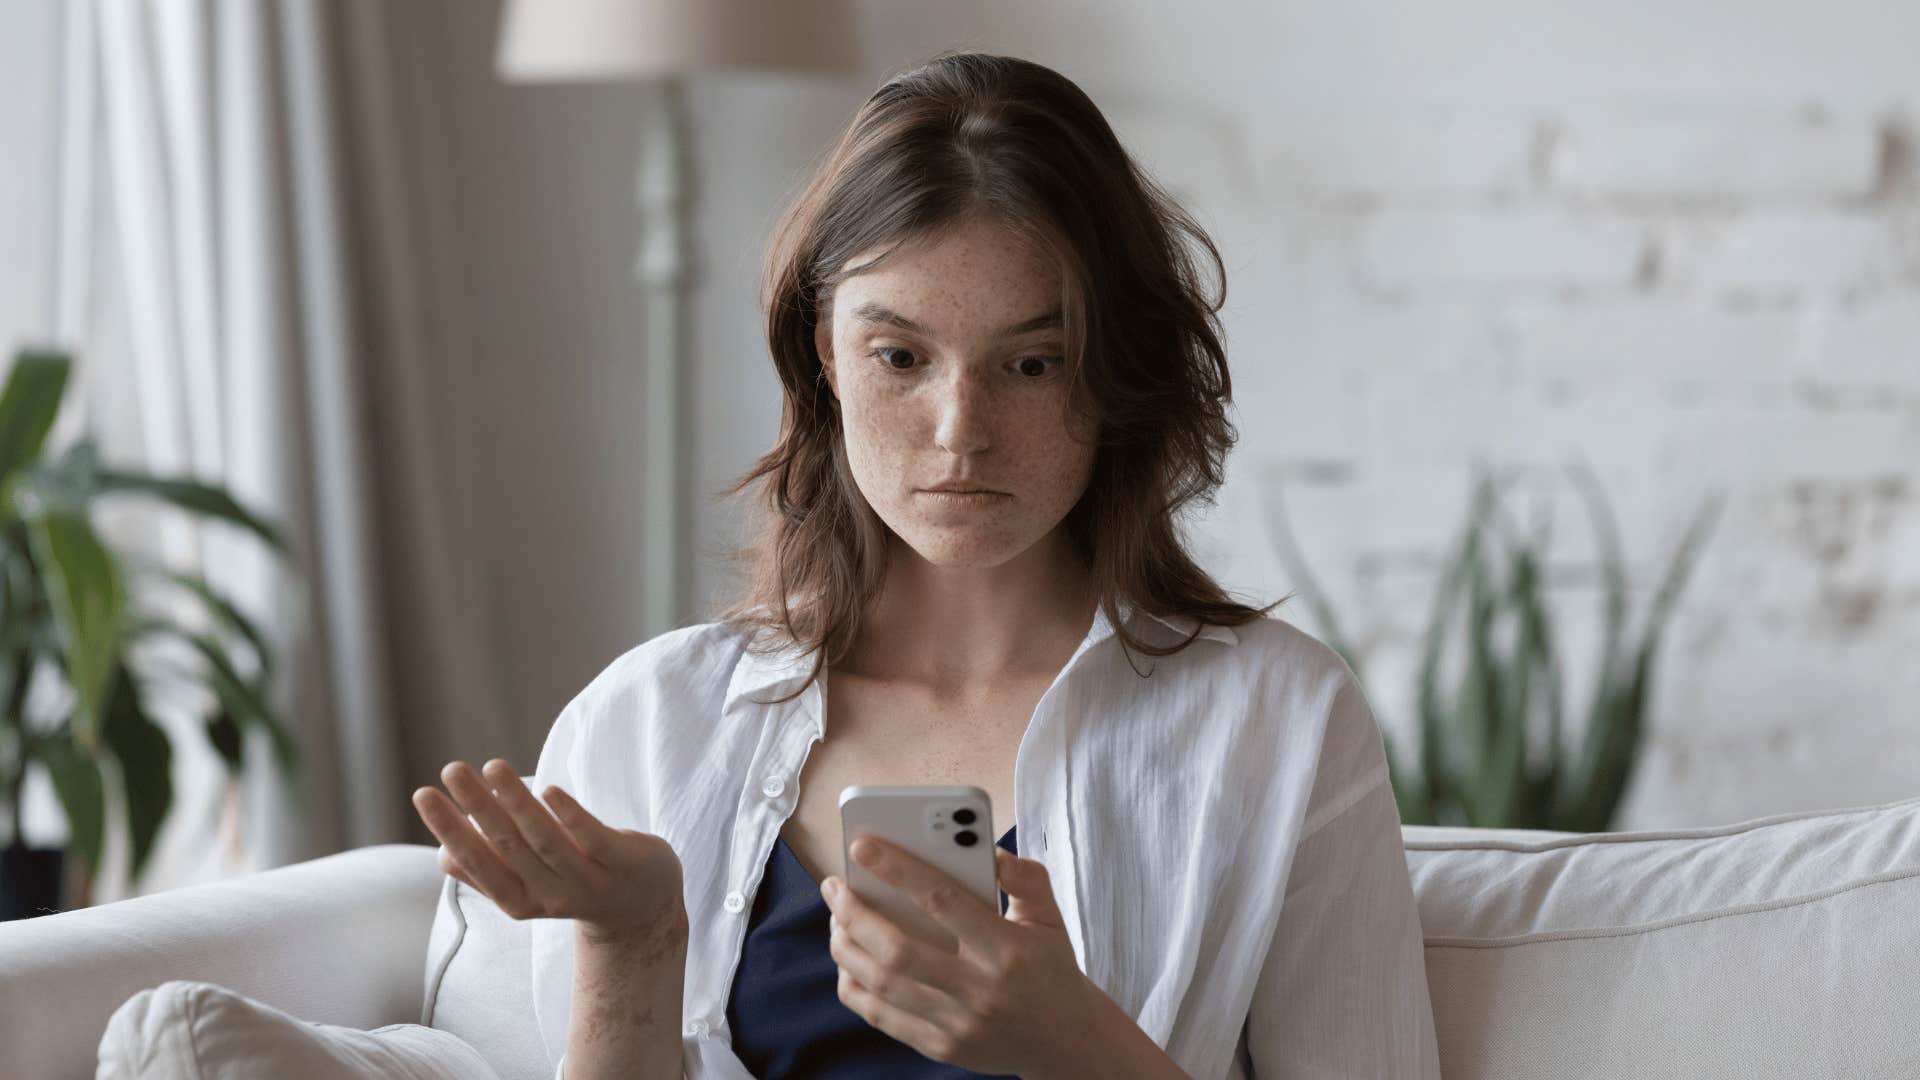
{"type": "Point", "coordinates": [31, 880]}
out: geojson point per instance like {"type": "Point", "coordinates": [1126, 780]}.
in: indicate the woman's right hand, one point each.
{"type": "Point", "coordinates": [539, 865]}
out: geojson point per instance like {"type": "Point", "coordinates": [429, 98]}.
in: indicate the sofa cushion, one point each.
{"type": "Point", "coordinates": [479, 982]}
{"type": "Point", "coordinates": [335, 939]}
{"type": "Point", "coordinates": [1785, 946]}
{"type": "Point", "coordinates": [185, 1027]}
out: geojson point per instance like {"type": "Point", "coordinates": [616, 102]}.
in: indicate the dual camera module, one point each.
{"type": "Point", "coordinates": [965, 837]}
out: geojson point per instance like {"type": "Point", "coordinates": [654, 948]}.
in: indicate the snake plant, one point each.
{"type": "Point", "coordinates": [67, 607]}
{"type": "Point", "coordinates": [1473, 765]}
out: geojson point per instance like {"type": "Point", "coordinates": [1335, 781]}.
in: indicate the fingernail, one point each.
{"type": "Point", "coordinates": [864, 851]}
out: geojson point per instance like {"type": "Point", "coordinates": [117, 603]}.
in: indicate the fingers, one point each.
{"type": "Point", "coordinates": [589, 833]}
{"type": "Point", "coordinates": [498, 826]}
{"type": "Point", "coordinates": [466, 847]}
{"type": "Point", "coordinates": [933, 890]}
{"type": "Point", "coordinates": [905, 1025]}
{"type": "Point", "coordinates": [909, 993]}
{"type": "Point", "coordinates": [548, 838]}
{"type": "Point", "coordinates": [451, 867]}
{"type": "Point", "coordinates": [867, 932]}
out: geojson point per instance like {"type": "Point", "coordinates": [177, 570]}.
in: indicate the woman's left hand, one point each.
{"type": "Point", "coordinates": [1007, 1001]}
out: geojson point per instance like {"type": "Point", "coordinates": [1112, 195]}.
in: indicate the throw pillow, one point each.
{"type": "Point", "coordinates": [185, 1028]}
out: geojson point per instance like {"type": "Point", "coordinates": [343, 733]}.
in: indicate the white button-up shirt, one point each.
{"type": "Point", "coordinates": [1221, 836]}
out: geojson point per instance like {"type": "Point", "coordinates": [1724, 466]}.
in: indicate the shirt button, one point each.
{"type": "Point", "coordinates": [697, 1028]}
{"type": "Point", "coordinates": [735, 902]}
{"type": "Point", "coordinates": [772, 786]}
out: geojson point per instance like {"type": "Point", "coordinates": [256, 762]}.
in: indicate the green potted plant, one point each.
{"type": "Point", "coordinates": [1473, 766]}
{"type": "Point", "coordinates": [67, 609]}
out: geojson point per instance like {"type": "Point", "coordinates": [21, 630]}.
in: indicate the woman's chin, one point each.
{"type": "Point", "coordinates": [955, 549]}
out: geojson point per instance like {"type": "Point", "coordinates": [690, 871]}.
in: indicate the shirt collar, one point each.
{"type": "Point", "coordinates": [787, 665]}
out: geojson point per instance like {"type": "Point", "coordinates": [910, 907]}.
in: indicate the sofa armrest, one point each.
{"type": "Point", "coordinates": [339, 940]}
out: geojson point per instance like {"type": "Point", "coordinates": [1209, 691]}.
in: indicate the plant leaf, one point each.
{"type": "Point", "coordinates": [1441, 790]}
{"type": "Point", "coordinates": [1537, 638]}
{"type": "Point", "coordinates": [1316, 597]}
{"type": "Point", "coordinates": [246, 702]}
{"type": "Point", "coordinates": [228, 615]}
{"type": "Point", "coordinates": [1509, 759]}
{"type": "Point", "coordinates": [1627, 701]}
{"type": "Point", "coordinates": [1678, 573]}
{"type": "Point", "coordinates": [243, 701]}
{"type": "Point", "coordinates": [1409, 788]}
{"type": "Point", "coordinates": [145, 754]}
{"type": "Point", "coordinates": [28, 408]}
{"type": "Point", "coordinates": [1580, 776]}
{"type": "Point", "coordinates": [1477, 713]}
{"type": "Point", "coordinates": [194, 497]}
{"type": "Point", "coordinates": [70, 480]}
{"type": "Point", "coordinates": [1608, 753]}
{"type": "Point", "coordinates": [224, 733]}
{"type": "Point", "coordinates": [25, 629]}
{"type": "Point", "coordinates": [76, 780]}
{"type": "Point", "coordinates": [89, 605]}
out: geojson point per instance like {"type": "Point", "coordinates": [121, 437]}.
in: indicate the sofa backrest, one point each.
{"type": "Point", "coordinates": [1786, 946]}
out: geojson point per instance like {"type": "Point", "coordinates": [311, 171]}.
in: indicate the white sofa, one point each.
{"type": "Point", "coordinates": [1782, 947]}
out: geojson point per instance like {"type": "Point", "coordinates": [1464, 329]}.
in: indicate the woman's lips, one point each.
{"type": "Point", "coordinates": [965, 499]}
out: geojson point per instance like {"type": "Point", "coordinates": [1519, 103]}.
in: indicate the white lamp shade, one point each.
{"type": "Point", "coordinates": [609, 40]}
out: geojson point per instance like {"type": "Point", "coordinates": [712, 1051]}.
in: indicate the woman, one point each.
{"type": "Point", "coordinates": [1003, 381]}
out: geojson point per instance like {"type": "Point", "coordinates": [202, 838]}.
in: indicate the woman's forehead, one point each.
{"type": "Point", "coordinates": [1003, 279]}
{"type": "Point", "coordinates": [972, 238]}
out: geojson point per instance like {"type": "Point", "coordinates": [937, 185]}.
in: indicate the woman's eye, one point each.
{"type": "Point", "coordinates": [1036, 366]}
{"type": "Point", "coordinates": [890, 357]}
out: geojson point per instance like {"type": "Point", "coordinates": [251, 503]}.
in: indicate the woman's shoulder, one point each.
{"type": "Point", "coordinates": [1305, 705]}
{"type": "Point", "coordinates": [1275, 651]}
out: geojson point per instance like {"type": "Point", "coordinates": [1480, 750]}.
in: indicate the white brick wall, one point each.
{"type": "Point", "coordinates": [1681, 245]}
{"type": "Point", "coordinates": [1522, 249]}
{"type": "Point", "coordinates": [1774, 255]}
{"type": "Point", "coordinates": [1397, 156]}
{"type": "Point", "coordinates": [1692, 300]}
{"type": "Point", "coordinates": [1715, 155]}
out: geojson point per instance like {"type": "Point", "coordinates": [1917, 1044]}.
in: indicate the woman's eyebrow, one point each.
{"type": "Point", "coordinates": [871, 312]}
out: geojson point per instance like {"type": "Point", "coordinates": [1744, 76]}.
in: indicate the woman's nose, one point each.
{"type": "Point", "coordinates": [965, 416]}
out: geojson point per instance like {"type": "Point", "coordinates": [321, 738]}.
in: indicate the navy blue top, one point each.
{"type": "Point", "coordinates": [785, 1011]}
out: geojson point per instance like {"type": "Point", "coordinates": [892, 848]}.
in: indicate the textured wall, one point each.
{"type": "Point", "coordinates": [1690, 299]}
{"type": "Point", "coordinates": [1686, 252]}
{"type": "Point", "coordinates": [1675, 240]}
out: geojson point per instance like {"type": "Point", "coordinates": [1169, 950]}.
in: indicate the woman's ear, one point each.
{"type": "Point", "coordinates": [823, 345]}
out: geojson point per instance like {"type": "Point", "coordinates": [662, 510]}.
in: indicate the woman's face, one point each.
{"type": "Point", "coordinates": [948, 363]}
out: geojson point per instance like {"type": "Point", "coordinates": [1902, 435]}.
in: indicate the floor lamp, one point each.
{"type": "Point", "coordinates": [663, 42]}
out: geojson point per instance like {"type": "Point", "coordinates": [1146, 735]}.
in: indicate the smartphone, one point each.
{"type": "Point", "coordinates": [948, 826]}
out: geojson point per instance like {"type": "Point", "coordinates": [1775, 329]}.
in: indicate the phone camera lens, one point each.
{"type": "Point", "coordinates": [966, 838]}
{"type": "Point", "coordinates": [963, 816]}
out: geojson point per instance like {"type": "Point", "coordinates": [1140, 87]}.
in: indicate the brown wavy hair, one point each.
{"type": "Point", "coordinates": [969, 135]}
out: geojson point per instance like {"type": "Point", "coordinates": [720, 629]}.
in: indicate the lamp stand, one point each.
{"type": "Point", "coordinates": [665, 270]}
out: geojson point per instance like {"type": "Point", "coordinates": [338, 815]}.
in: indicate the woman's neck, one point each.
{"type": "Point", "coordinates": [958, 625]}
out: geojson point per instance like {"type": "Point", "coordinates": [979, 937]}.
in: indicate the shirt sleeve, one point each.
{"type": "Point", "coordinates": [1343, 989]}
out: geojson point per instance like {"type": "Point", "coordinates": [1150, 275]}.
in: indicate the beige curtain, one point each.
{"type": "Point", "coordinates": [293, 327]}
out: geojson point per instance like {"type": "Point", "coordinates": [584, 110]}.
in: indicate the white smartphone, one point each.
{"type": "Point", "coordinates": [949, 826]}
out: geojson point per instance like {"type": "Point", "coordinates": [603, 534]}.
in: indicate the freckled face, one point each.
{"type": "Point", "coordinates": [971, 394]}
